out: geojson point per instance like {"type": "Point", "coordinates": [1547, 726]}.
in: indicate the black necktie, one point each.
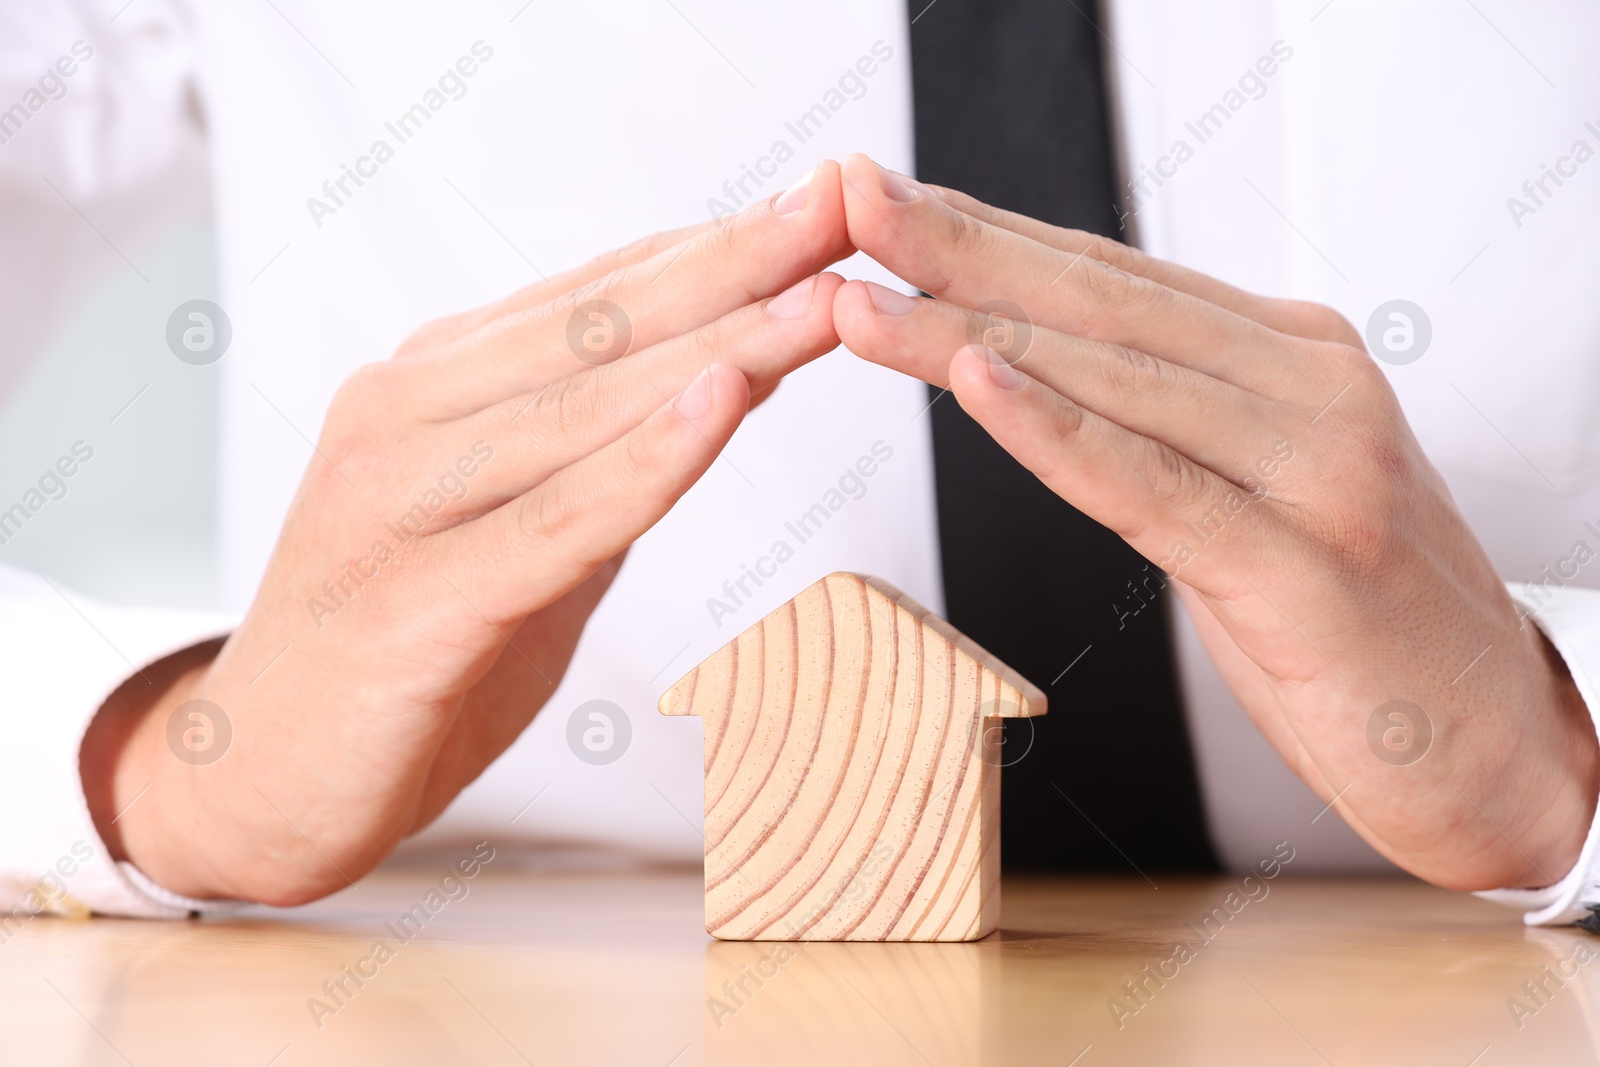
{"type": "Point", "coordinates": [1011, 108]}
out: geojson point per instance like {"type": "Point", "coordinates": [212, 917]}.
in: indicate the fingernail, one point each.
{"type": "Point", "coordinates": [695, 401]}
{"type": "Point", "coordinates": [889, 302]}
{"type": "Point", "coordinates": [1001, 373]}
{"type": "Point", "coordinates": [793, 302]}
{"type": "Point", "coordinates": [895, 187]}
{"type": "Point", "coordinates": [794, 198]}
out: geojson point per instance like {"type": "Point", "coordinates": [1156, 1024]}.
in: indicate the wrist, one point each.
{"type": "Point", "coordinates": [133, 782]}
{"type": "Point", "coordinates": [1569, 770]}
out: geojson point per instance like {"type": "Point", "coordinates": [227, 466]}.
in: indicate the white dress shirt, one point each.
{"type": "Point", "coordinates": [1373, 163]}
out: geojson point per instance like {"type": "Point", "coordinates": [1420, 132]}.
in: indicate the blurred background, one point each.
{"type": "Point", "coordinates": [83, 357]}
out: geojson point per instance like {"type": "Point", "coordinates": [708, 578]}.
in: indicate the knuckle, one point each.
{"type": "Point", "coordinates": [1345, 388]}
{"type": "Point", "coordinates": [606, 262]}
{"type": "Point", "coordinates": [709, 342]}
{"type": "Point", "coordinates": [364, 395]}
{"type": "Point", "coordinates": [365, 422]}
{"type": "Point", "coordinates": [638, 459]}
{"type": "Point", "coordinates": [723, 239]}
{"type": "Point", "coordinates": [719, 251]}
{"type": "Point", "coordinates": [564, 404]}
{"type": "Point", "coordinates": [1101, 286]}
{"type": "Point", "coordinates": [1051, 464]}
{"type": "Point", "coordinates": [565, 306]}
{"type": "Point", "coordinates": [1363, 512]}
{"type": "Point", "coordinates": [1133, 375]}
{"type": "Point", "coordinates": [544, 516]}
{"type": "Point", "coordinates": [1358, 542]}
{"type": "Point", "coordinates": [1143, 297]}
{"type": "Point", "coordinates": [562, 307]}
{"type": "Point", "coordinates": [1088, 242]}
{"type": "Point", "coordinates": [1369, 386]}
{"type": "Point", "coordinates": [1323, 323]}
{"type": "Point", "coordinates": [1388, 463]}
{"type": "Point", "coordinates": [966, 232]}
{"type": "Point", "coordinates": [1113, 297]}
{"type": "Point", "coordinates": [968, 240]}
{"type": "Point", "coordinates": [1069, 419]}
{"type": "Point", "coordinates": [618, 259]}
{"type": "Point", "coordinates": [1114, 253]}
{"type": "Point", "coordinates": [1176, 479]}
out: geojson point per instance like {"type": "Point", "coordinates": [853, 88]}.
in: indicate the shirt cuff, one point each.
{"type": "Point", "coordinates": [1570, 618]}
{"type": "Point", "coordinates": [64, 655]}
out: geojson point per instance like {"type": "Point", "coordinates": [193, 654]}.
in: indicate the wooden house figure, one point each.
{"type": "Point", "coordinates": [852, 763]}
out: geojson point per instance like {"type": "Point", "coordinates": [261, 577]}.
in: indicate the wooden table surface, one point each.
{"type": "Point", "coordinates": [544, 965]}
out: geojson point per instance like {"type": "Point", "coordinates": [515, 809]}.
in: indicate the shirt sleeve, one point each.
{"type": "Point", "coordinates": [94, 94]}
{"type": "Point", "coordinates": [1570, 618]}
{"type": "Point", "coordinates": [62, 655]}
{"type": "Point", "coordinates": [101, 151]}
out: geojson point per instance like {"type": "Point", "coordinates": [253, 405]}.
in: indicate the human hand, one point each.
{"type": "Point", "coordinates": [465, 510]}
{"type": "Point", "coordinates": [1252, 451]}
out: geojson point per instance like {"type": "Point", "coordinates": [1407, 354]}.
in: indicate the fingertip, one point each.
{"type": "Point", "coordinates": [796, 301]}
{"type": "Point", "coordinates": [828, 286]}
{"type": "Point", "coordinates": [797, 197]}
{"type": "Point", "coordinates": [859, 177]}
{"type": "Point", "coordinates": [830, 198]}
{"type": "Point", "coordinates": [892, 302]}
{"type": "Point", "coordinates": [887, 216]}
{"type": "Point", "coordinates": [871, 180]}
{"type": "Point", "coordinates": [978, 371]}
{"type": "Point", "coordinates": [850, 295]}
{"type": "Point", "coordinates": [730, 389]}
{"type": "Point", "coordinates": [716, 393]}
{"type": "Point", "coordinates": [853, 316]}
{"type": "Point", "coordinates": [856, 165]}
{"type": "Point", "coordinates": [969, 372]}
{"type": "Point", "coordinates": [872, 305]}
{"type": "Point", "coordinates": [826, 183]}
{"type": "Point", "coordinates": [816, 188]}
{"type": "Point", "coordinates": [909, 341]}
{"type": "Point", "coordinates": [817, 203]}
{"type": "Point", "coordinates": [808, 301]}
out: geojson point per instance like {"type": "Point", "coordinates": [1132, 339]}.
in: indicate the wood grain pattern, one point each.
{"type": "Point", "coordinates": [607, 965]}
{"type": "Point", "coordinates": [852, 770]}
